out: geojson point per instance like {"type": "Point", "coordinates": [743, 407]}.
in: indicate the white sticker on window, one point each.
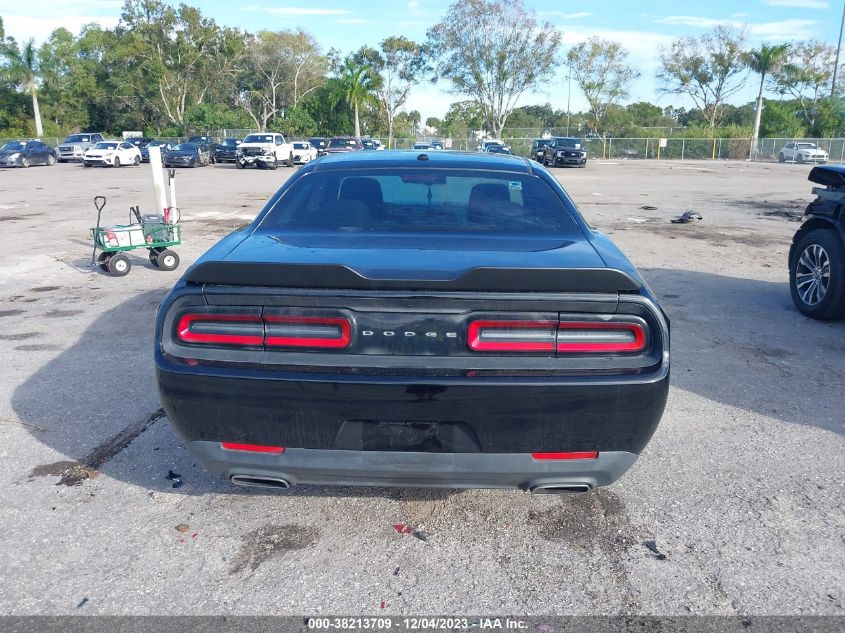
{"type": "Point", "coordinates": [515, 185]}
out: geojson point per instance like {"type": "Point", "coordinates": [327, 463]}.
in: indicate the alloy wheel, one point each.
{"type": "Point", "coordinates": [812, 274]}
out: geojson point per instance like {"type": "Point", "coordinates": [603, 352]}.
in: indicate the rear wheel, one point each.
{"type": "Point", "coordinates": [167, 260]}
{"type": "Point", "coordinates": [239, 164]}
{"type": "Point", "coordinates": [817, 275]}
{"type": "Point", "coordinates": [51, 160]}
{"type": "Point", "coordinates": [781, 158]}
{"type": "Point", "coordinates": [24, 161]}
{"type": "Point", "coordinates": [117, 161]}
{"type": "Point", "coordinates": [137, 161]}
{"type": "Point", "coordinates": [290, 160]}
{"type": "Point", "coordinates": [119, 265]}
{"type": "Point", "coordinates": [154, 253]}
{"type": "Point", "coordinates": [103, 261]}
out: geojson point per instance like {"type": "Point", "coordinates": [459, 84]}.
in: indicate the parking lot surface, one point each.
{"type": "Point", "coordinates": [736, 506]}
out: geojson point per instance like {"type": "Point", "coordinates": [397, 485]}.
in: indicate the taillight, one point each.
{"type": "Point", "coordinates": [575, 455]}
{"type": "Point", "coordinates": [221, 329]}
{"type": "Point", "coordinates": [253, 329]}
{"type": "Point", "coordinates": [252, 448]}
{"type": "Point", "coordinates": [296, 331]}
{"type": "Point", "coordinates": [589, 336]}
{"type": "Point", "coordinates": [512, 336]}
{"type": "Point", "coordinates": [556, 336]}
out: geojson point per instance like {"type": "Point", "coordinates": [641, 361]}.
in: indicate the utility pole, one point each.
{"type": "Point", "coordinates": [569, 96]}
{"type": "Point", "coordinates": [838, 48]}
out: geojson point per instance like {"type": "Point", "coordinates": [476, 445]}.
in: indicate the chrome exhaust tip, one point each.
{"type": "Point", "coordinates": [260, 481]}
{"type": "Point", "coordinates": [560, 489]}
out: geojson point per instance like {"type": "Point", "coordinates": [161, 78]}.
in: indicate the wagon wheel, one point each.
{"type": "Point", "coordinates": [119, 265]}
{"type": "Point", "coordinates": [167, 260]}
{"type": "Point", "coordinates": [154, 253]}
{"type": "Point", "coordinates": [103, 261]}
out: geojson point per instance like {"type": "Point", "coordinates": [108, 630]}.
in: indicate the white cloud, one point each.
{"type": "Point", "coordinates": [566, 16]}
{"type": "Point", "coordinates": [412, 4]}
{"type": "Point", "coordinates": [796, 29]}
{"type": "Point", "coordinates": [296, 10]}
{"type": "Point", "coordinates": [39, 28]}
{"type": "Point", "coordinates": [692, 20]}
{"type": "Point", "coordinates": [800, 4]}
{"type": "Point", "coordinates": [785, 30]}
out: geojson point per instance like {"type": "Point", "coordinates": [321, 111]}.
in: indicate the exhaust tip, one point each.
{"type": "Point", "coordinates": [259, 481]}
{"type": "Point", "coordinates": [560, 489]}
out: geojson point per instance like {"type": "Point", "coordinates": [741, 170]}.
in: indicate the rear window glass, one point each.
{"type": "Point", "coordinates": [342, 142]}
{"type": "Point", "coordinates": [259, 138]}
{"type": "Point", "coordinates": [422, 201]}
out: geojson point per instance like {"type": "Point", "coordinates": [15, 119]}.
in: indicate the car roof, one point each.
{"type": "Point", "coordinates": [411, 158]}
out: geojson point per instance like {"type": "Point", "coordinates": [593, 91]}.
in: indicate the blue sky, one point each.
{"type": "Point", "coordinates": [641, 26]}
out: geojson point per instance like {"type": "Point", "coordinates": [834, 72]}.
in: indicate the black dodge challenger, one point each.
{"type": "Point", "coordinates": [415, 319]}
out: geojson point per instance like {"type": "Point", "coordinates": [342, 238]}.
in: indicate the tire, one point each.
{"type": "Point", "coordinates": [103, 261]}
{"type": "Point", "coordinates": [117, 161]}
{"type": "Point", "coordinates": [290, 160]}
{"type": "Point", "coordinates": [119, 265]}
{"type": "Point", "coordinates": [819, 250]}
{"type": "Point", "coordinates": [239, 164]}
{"type": "Point", "coordinates": [24, 162]}
{"type": "Point", "coordinates": [194, 163]}
{"type": "Point", "coordinates": [86, 164]}
{"type": "Point", "coordinates": [781, 158]}
{"type": "Point", "coordinates": [154, 253]}
{"type": "Point", "coordinates": [51, 160]}
{"type": "Point", "coordinates": [167, 260]}
{"type": "Point", "coordinates": [137, 161]}
{"type": "Point", "coordinates": [275, 164]}
{"type": "Point", "coordinates": [799, 160]}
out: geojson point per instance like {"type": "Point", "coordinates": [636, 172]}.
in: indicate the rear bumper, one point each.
{"type": "Point", "coordinates": [404, 430]}
{"type": "Point", "coordinates": [453, 470]}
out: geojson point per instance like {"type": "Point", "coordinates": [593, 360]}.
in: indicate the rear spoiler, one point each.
{"type": "Point", "coordinates": [828, 175]}
{"type": "Point", "coordinates": [337, 277]}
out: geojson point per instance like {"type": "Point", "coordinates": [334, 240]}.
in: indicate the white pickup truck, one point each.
{"type": "Point", "coordinates": [267, 149]}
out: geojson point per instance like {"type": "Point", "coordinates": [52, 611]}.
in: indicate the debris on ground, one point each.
{"type": "Point", "coordinates": [396, 572]}
{"type": "Point", "coordinates": [404, 528]}
{"type": "Point", "coordinates": [183, 527]}
{"type": "Point", "coordinates": [82, 602]}
{"type": "Point", "coordinates": [648, 207]}
{"type": "Point", "coordinates": [176, 478]}
{"type": "Point", "coordinates": [792, 216]}
{"type": "Point", "coordinates": [382, 605]}
{"type": "Point", "coordinates": [687, 217]}
{"type": "Point", "coordinates": [651, 545]}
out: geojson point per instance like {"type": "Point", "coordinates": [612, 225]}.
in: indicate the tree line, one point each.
{"type": "Point", "coordinates": [170, 70]}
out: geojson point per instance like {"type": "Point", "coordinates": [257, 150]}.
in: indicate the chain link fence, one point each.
{"type": "Point", "coordinates": [671, 148]}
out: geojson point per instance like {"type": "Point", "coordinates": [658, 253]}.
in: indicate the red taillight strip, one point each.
{"type": "Point", "coordinates": [299, 341]}
{"type": "Point", "coordinates": [185, 333]}
{"type": "Point", "coordinates": [575, 455]}
{"type": "Point", "coordinates": [637, 345]}
{"type": "Point", "coordinates": [252, 448]}
{"type": "Point", "coordinates": [477, 344]}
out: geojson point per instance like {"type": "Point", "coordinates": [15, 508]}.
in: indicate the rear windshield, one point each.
{"type": "Point", "coordinates": [78, 138]}
{"type": "Point", "coordinates": [259, 138]}
{"type": "Point", "coordinates": [342, 142]}
{"type": "Point", "coordinates": [806, 146]}
{"type": "Point", "coordinates": [105, 145]}
{"type": "Point", "coordinates": [185, 147]}
{"type": "Point", "coordinates": [419, 201]}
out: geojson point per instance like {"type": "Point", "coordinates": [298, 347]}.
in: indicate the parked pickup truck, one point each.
{"type": "Point", "coordinates": [267, 149]}
{"type": "Point", "coordinates": [75, 146]}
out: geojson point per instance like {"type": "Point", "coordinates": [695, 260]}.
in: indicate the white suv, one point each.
{"type": "Point", "coordinates": [267, 149]}
{"type": "Point", "coordinates": [802, 152]}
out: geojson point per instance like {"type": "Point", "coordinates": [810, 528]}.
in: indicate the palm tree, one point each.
{"type": "Point", "coordinates": [359, 82]}
{"type": "Point", "coordinates": [23, 71]}
{"type": "Point", "coordinates": [764, 61]}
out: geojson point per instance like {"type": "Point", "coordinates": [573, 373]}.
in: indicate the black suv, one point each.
{"type": "Point", "coordinates": [565, 151]}
{"type": "Point", "coordinates": [227, 151]}
{"type": "Point", "coordinates": [817, 254]}
{"type": "Point", "coordinates": [538, 147]}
